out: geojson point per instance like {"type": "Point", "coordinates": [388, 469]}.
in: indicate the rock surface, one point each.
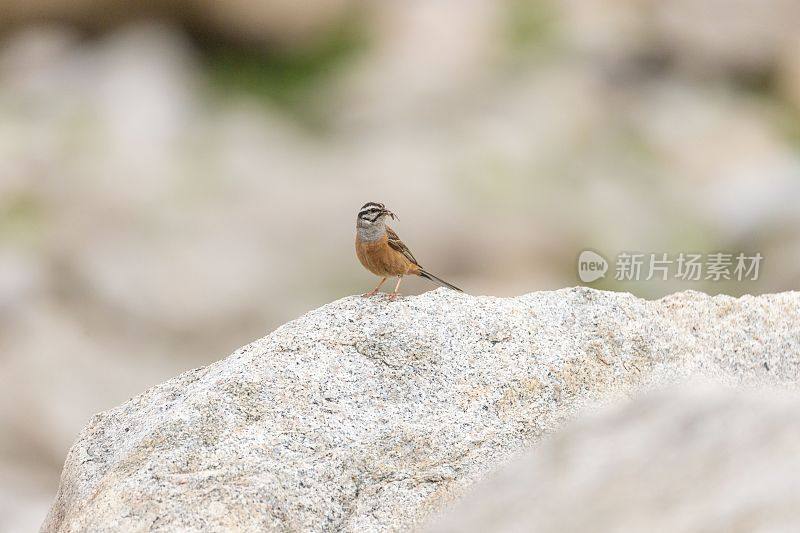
{"type": "Point", "coordinates": [678, 461]}
{"type": "Point", "coordinates": [369, 415]}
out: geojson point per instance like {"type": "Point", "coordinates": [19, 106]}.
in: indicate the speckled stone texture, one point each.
{"type": "Point", "coordinates": [370, 415]}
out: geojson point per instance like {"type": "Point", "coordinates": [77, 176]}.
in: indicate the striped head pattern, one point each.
{"type": "Point", "coordinates": [372, 212]}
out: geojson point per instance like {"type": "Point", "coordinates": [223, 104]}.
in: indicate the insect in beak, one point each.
{"type": "Point", "coordinates": [389, 213]}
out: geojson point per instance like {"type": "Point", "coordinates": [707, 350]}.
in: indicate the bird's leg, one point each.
{"type": "Point", "coordinates": [395, 294]}
{"type": "Point", "coordinates": [374, 291]}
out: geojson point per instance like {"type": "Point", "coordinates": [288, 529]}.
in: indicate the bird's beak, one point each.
{"type": "Point", "coordinates": [389, 213]}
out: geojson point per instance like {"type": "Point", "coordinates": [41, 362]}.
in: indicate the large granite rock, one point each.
{"type": "Point", "coordinates": [369, 415]}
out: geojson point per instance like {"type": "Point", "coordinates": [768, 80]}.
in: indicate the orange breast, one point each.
{"type": "Point", "coordinates": [382, 260]}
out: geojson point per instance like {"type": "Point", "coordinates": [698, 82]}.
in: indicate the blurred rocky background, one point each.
{"type": "Point", "coordinates": [177, 178]}
{"type": "Point", "coordinates": [686, 459]}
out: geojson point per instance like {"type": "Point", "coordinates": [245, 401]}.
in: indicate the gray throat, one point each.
{"type": "Point", "coordinates": [370, 232]}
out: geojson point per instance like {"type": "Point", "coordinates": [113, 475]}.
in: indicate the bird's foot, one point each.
{"type": "Point", "coordinates": [370, 294]}
{"type": "Point", "coordinates": [393, 296]}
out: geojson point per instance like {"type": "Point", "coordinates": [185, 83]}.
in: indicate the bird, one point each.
{"type": "Point", "coordinates": [382, 252]}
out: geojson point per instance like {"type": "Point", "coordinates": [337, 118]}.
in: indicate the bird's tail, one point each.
{"type": "Point", "coordinates": [427, 275]}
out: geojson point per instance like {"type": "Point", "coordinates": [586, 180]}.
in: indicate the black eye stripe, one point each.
{"type": "Point", "coordinates": [370, 215]}
{"type": "Point", "coordinates": [371, 211]}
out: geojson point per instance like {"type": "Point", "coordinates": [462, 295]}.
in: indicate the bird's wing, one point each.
{"type": "Point", "coordinates": [397, 244]}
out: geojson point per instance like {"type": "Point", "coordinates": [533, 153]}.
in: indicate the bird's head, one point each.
{"type": "Point", "coordinates": [373, 213]}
